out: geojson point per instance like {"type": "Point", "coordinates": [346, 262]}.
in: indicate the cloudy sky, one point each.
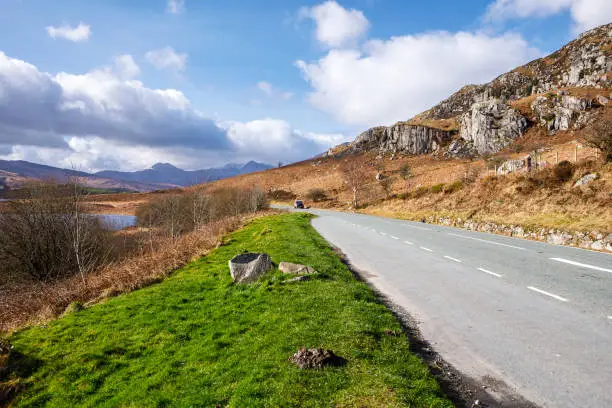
{"type": "Point", "coordinates": [114, 84]}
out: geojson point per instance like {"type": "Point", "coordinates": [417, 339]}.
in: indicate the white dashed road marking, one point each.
{"type": "Point", "coordinates": [552, 295]}
{"type": "Point", "coordinates": [487, 241]}
{"type": "Point", "coordinates": [426, 249]}
{"type": "Point", "coordinates": [567, 261]}
{"type": "Point", "coordinates": [394, 237]}
{"type": "Point", "coordinates": [382, 233]}
{"type": "Point", "coordinates": [415, 227]}
{"type": "Point", "coordinates": [452, 259]}
{"type": "Point", "coordinates": [408, 242]}
{"type": "Point", "coordinates": [489, 272]}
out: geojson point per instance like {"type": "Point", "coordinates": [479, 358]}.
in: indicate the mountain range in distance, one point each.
{"type": "Point", "coordinates": [15, 173]}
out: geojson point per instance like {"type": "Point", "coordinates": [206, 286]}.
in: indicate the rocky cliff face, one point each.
{"type": "Point", "coordinates": [488, 121]}
{"type": "Point", "coordinates": [491, 125]}
{"type": "Point", "coordinates": [401, 137]}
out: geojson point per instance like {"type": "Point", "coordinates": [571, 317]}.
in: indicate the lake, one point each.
{"type": "Point", "coordinates": [117, 222]}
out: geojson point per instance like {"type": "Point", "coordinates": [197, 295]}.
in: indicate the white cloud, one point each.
{"type": "Point", "coordinates": [100, 120]}
{"type": "Point", "coordinates": [38, 108]}
{"type": "Point", "coordinates": [176, 6]}
{"type": "Point", "coordinates": [126, 67]}
{"type": "Point", "coordinates": [273, 140]}
{"type": "Point", "coordinates": [335, 25]}
{"type": "Point", "coordinates": [80, 33]}
{"type": "Point", "coordinates": [391, 80]}
{"type": "Point", "coordinates": [265, 87]}
{"type": "Point", "coordinates": [586, 14]}
{"type": "Point", "coordinates": [271, 92]}
{"type": "Point", "coordinates": [167, 58]}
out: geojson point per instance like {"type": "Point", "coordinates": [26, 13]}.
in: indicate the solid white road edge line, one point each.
{"type": "Point", "coordinates": [489, 272]}
{"type": "Point", "coordinates": [487, 241]}
{"type": "Point", "coordinates": [452, 259]}
{"type": "Point", "coordinates": [426, 249]}
{"type": "Point", "coordinates": [567, 261]}
{"type": "Point", "coordinates": [552, 295]}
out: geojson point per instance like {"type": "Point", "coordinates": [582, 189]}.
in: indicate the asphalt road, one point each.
{"type": "Point", "coordinates": [533, 316]}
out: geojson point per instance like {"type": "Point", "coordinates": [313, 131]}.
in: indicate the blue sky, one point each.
{"type": "Point", "coordinates": [201, 83]}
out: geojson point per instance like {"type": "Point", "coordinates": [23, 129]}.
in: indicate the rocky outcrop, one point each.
{"type": "Point", "coordinates": [511, 166]}
{"type": "Point", "coordinates": [491, 126]}
{"type": "Point", "coordinates": [249, 267]}
{"type": "Point", "coordinates": [584, 180]}
{"type": "Point", "coordinates": [461, 149]}
{"type": "Point", "coordinates": [560, 111]}
{"type": "Point", "coordinates": [487, 121]}
{"type": "Point", "coordinates": [401, 137]}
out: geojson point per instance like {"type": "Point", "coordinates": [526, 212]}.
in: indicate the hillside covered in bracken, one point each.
{"type": "Point", "coordinates": [528, 151]}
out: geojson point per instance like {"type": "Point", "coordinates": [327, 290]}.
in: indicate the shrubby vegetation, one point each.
{"type": "Point", "coordinates": [177, 214]}
{"type": "Point", "coordinates": [46, 236]}
{"type": "Point", "coordinates": [316, 195]}
{"type": "Point", "coordinates": [52, 253]}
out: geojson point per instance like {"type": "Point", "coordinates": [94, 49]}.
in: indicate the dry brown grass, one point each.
{"type": "Point", "coordinates": [449, 125]}
{"type": "Point", "coordinates": [535, 200]}
{"type": "Point", "coordinates": [35, 303]}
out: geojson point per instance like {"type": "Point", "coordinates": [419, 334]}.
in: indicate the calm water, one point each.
{"type": "Point", "coordinates": [117, 222]}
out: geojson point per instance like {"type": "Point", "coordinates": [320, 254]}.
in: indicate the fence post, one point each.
{"type": "Point", "coordinates": [576, 154]}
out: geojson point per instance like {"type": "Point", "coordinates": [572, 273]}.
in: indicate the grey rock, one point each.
{"type": "Point", "coordinates": [301, 278]}
{"type": "Point", "coordinates": [511, 166]}
{"type": "Point", "coordinates": [598, 245]}
{"type": "Point", "coordinates": [315, 358]}
{"type": "Point", "coordinates": [461, 149]}
{"type": "Point", "coordinates": [491, 126]}
{"type": "Point", "coordinates": [248, 267]}
{"type": "Point", "coordinates": [584, 180]}
{"type": "Point", "coordinates": [288, 267]}
{"type": "Point", "coordinates": [401, 137]}
{"type": "Point", "coordinates": [555, 112]}
{"type": "Point", "coordinates": [602, 100]}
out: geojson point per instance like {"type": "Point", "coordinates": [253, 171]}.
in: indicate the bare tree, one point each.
{"type": "Point", "coordinates": [355, 178]}
{"type": "Point", "coordinates": [599, 136]}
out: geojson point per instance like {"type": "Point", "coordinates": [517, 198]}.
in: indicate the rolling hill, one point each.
{"type": "Point", "coordinates": [14, 174]}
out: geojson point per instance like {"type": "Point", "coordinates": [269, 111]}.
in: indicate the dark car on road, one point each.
{"type": "Point", "coordinates": [298, 204]}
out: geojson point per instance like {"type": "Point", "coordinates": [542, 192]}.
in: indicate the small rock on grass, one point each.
{"type": "Point", "coordinates": [288, 267]}
{"type": "Point", "coordinates": [316, 358]}
{"type": "Point", "coordinates": [249, 267]}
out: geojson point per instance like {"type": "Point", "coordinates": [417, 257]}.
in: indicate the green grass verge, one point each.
{"type": "Point", "coordinates": [198, 340]}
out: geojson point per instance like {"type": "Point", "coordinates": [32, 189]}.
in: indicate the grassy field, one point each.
{"type": "Point", "coordinates": [198, 340]}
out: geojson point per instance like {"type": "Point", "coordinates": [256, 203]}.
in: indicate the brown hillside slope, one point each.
{"type": "Point", "coordinates": [527, 122]}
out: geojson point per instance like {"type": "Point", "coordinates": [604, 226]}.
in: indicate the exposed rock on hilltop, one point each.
{"type": "Point", "coordinates": [545, 92]}
{"type": "Point", "coordinates": [491, 124]}
{"type": "Point", "coordinates": [402, 137]}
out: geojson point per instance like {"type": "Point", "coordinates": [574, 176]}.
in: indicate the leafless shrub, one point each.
{"type": "Point", "coordinates": [177, 214]}
{"type": "Point", "coordinates": [599, 136]}
{"type": "Point", "coordinates": [46, 236]}
{"type": "Point", "coordinates": [355, 177]}
{"type": "Point", "coordinates": [316, 195]}
{"type": "Point", "coordinates": [281, 195]}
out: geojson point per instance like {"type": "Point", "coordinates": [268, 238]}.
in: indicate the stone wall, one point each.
{"type": "Point", "coordinates": [588, 240]}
